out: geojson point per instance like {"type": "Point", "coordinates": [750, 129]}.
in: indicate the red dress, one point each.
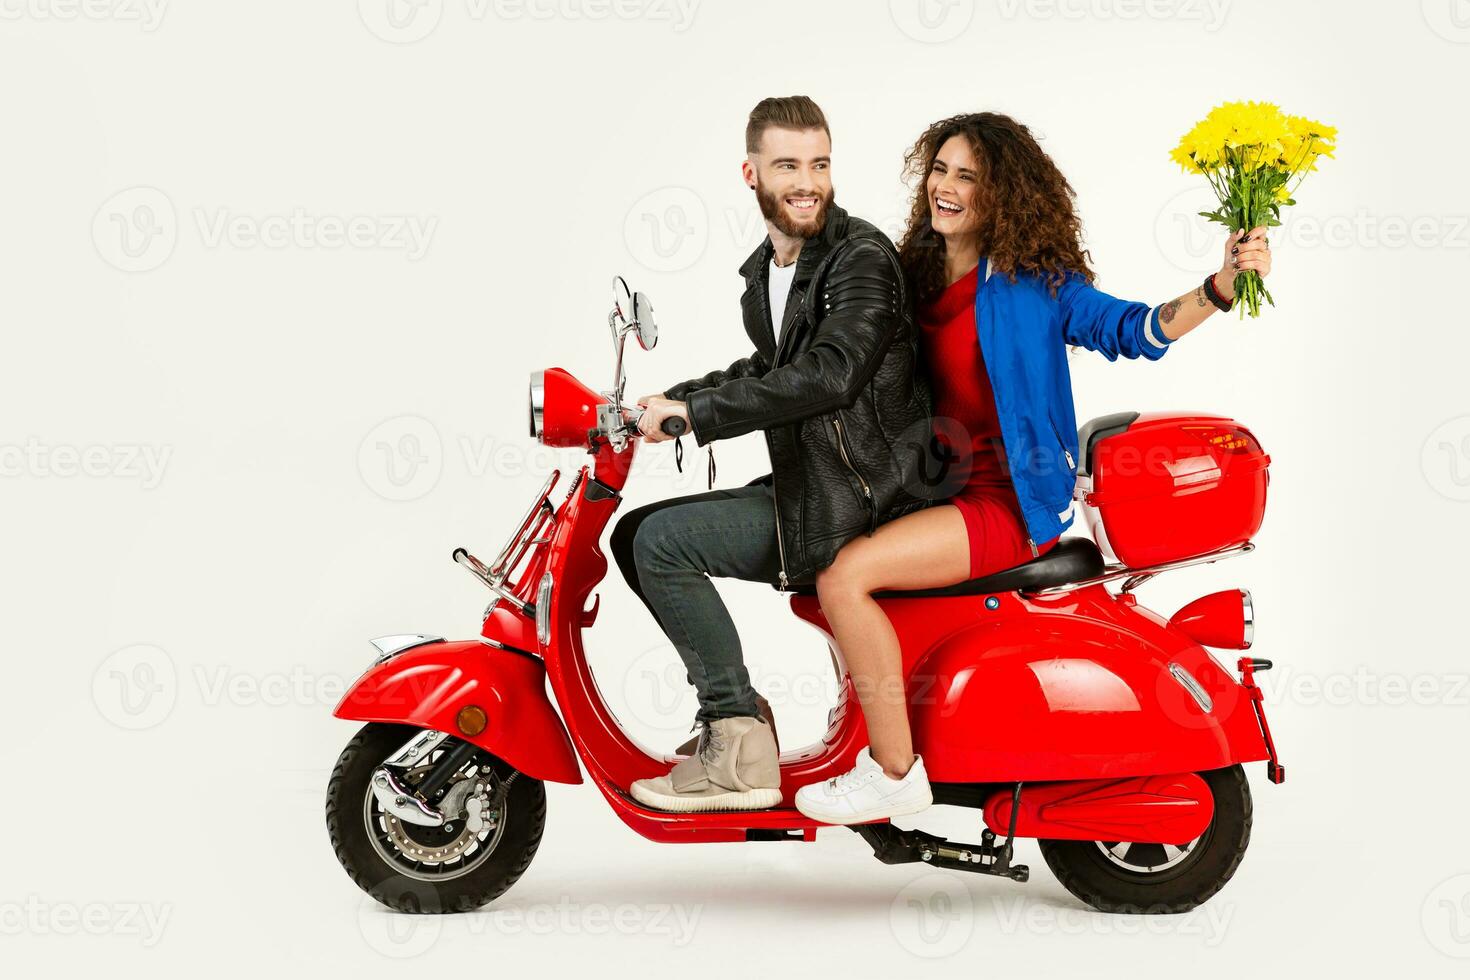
{"type": "Point", "coordinates": [965, 421]}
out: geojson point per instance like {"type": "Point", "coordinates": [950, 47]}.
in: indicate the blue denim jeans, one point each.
{"type": "Point", "coordinates": [669, 551]}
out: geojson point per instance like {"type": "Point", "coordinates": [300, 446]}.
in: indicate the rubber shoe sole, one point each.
{"type": "Point", "coordinates": [873, 815]}
{"type": "Point", "coordinates": [751, 799]}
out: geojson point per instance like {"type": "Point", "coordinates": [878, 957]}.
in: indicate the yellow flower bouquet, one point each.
{"type": "Point", "coordinates": [1254, 156]}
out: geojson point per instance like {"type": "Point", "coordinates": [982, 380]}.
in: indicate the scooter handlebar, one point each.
{"type": "Point", "coordinates": [671, 426]}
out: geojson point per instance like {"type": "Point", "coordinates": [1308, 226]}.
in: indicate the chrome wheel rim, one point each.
{"type": "Point", "coordinates": [1147, 859]}
{"type": "Point", "coordinates": [432, 853]}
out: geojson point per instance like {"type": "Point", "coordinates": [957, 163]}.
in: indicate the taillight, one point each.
{"type": "Point", "coordinates": [1224, 620]}
{"type": "Point", "coordinates": [1232, 439]}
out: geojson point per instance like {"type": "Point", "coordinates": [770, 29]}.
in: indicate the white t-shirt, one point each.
{"type": "Point", "coordinates": [780, 279]}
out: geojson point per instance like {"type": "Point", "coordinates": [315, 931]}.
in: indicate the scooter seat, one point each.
{"type": "Point", "coordinates": [1072, 560]}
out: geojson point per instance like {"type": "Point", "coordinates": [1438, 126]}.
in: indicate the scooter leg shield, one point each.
{"type": "Point", "coordinates": [431, 686]}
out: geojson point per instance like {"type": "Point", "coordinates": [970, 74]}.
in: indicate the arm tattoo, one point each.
{"type": "Point", "coordinates": [1166, 314]}
{"type": "Point", "coordinates": [1199, 295]}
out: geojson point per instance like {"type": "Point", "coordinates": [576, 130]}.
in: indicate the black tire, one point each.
{"type": "Point", "coordinates": [1085, 869]}
{"type": "Point", "coordinates": [349, 812]}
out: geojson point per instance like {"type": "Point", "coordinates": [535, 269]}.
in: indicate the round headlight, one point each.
{"type": "Point", "coordinates": [538, 403]}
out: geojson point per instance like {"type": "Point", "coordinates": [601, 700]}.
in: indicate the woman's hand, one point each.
{"type": "Point", "coordinates": [1243, 250]}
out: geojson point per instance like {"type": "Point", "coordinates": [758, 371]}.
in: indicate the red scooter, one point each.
{"type": "Point", "coordinates": [1059, 709]}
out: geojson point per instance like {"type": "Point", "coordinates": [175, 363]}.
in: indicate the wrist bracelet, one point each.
{"type": "Point", "coordinates": [1213, 295]}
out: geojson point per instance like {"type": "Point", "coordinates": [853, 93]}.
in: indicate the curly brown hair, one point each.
{"type": "Point", "coordinates": [1028, 219]}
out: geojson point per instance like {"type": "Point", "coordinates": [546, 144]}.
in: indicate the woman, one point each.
{"type": "Point", "coordinates": [993, 257]}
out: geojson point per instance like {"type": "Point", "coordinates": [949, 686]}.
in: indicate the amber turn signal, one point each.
{"type": "Point", "coordinates": [471, 720]}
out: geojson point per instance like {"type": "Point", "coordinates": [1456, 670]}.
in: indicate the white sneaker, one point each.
{"type": "Point", "coordinates": [865, 794]}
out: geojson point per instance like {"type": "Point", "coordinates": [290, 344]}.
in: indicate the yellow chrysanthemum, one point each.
{"type": "Point", "coordinates": [1203, 147]}
{"type": "Point", "coordinates": [1253, 136]}
{"type": "Point", "coordinates": [1249, 123]}
{"type": "Point", "coordinates": [1250, 152]}
{"type": "Point", "coordinates": [1308, 140]}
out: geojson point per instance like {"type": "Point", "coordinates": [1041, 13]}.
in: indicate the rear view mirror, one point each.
{"type": "Point", "coordinates": [643, 320]}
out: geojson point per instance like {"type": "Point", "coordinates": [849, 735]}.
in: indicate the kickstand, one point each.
{"type": "Point", "coordinates": [1009, 849]}
{"type": "Point", "coordinates": [1001, 863]}
{"type": "Point", "coordinates": [894, 846]}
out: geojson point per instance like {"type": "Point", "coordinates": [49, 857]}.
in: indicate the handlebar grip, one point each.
{"type": "Point", "coordinates": [674, 426]}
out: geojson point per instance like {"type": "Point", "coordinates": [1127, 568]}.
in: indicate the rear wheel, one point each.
{"type": "Point", "coordinates": [1160, 878]}
{"type": "Point", "coordinates": [413, 868]}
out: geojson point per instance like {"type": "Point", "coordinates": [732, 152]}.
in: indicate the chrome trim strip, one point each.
{"type": "Point", "coordinates": [1186, 680]}
{"type": "Point", "coordinates": [1249, 610]}
{"type": "Point", "coordinates": [395, 643]}
{"type": "Point", "coordinates": [538, 403]}
{"type": "Point", "coordinates": [543, 609]}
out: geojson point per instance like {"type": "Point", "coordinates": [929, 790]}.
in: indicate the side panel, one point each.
{"type": "Point", "coordinates": [428, 685]}
{"type": "Point", "coordinates": [1151, 809]}
{"type": "Point", "coordinates": [1080, 688]}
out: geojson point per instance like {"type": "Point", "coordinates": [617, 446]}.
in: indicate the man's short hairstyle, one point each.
{"type": "Point", "coordinates": [789, 112]}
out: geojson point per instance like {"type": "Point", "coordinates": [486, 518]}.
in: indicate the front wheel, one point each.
{"type": "Point", "coordinates": [412, 868]}
{"type": "Point", "coordinates": [1152, 878]}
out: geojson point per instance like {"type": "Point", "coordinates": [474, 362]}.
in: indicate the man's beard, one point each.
{"type": "Point", "coordinates": [773, 210]}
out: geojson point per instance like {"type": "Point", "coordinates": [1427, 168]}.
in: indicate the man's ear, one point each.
{"type": "Point", "coordinates": [747, 172]}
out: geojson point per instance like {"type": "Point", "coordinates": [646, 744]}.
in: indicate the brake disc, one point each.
{"type": "Point", "coordinates": [441, 845]}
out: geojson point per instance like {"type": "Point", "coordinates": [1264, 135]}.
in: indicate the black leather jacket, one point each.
{"type": "Point", "coordinates": [843, 402]}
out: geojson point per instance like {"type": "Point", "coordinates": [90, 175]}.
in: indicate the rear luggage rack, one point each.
{"type": "Point", "coordinates": [1137, 576]}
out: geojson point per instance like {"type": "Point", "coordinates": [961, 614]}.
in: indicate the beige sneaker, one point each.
{"type": "Point", "coordinates": [735, 768]}
{"type": "Point", "coordinates": [762, 708]}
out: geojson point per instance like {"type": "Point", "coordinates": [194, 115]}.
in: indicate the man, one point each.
{"type": "Point", "coordinates": [833, 385]}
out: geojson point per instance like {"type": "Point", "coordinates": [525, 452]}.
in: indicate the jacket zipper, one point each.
{"type": "Point", "coordinates": [1061, 444]}
{"type": "Point", "coordinates": [776, 503]}
{"type": "Point", "coordinates": [846, 459]}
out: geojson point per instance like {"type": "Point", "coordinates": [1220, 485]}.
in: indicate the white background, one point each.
{"type": "Point", "coordinates": [327, 420]}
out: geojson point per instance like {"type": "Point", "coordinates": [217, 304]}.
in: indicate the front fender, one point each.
{"type": "Point", "coordinates": [428, 685]}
